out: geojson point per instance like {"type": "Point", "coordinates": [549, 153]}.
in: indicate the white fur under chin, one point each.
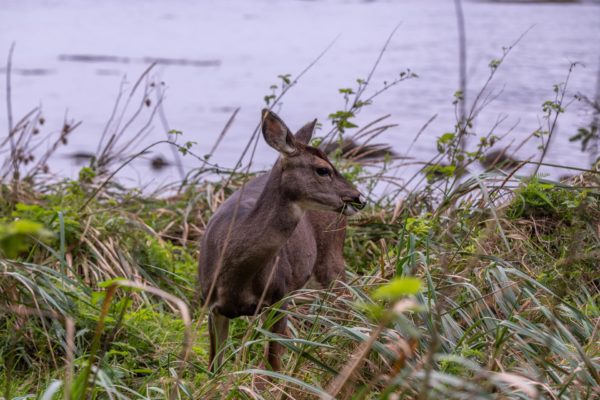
{"type": "Point", "coordinates": [350, 210]}
{"type": "Point", "coordinates": [297, 210]}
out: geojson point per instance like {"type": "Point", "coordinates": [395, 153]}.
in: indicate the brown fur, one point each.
{"type": "Point", "coordinates": [289, 219]}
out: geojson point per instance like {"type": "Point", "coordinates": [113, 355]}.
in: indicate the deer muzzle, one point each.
{"type": "Point", "coordinates": [352, 205]}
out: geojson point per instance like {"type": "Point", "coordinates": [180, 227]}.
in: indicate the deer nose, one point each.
{"type": "Point", "coordinates": [360, 202]}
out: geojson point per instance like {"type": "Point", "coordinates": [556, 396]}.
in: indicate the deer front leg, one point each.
{"type": "Point", "coordinates": [218, 329]}
{"type": "Point", "coordinates": [274, 349]}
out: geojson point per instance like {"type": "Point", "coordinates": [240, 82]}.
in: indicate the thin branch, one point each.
{"type": "Point", "coordinates": [559, 99]}
{"type": "Point", "coordinates": [462, 68]}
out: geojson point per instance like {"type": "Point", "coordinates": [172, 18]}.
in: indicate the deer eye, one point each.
{"type": "Point", "coordinates": [323, 171]}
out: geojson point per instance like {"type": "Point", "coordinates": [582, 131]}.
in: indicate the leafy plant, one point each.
{"type": "Point", "coordinates": [17, 236]}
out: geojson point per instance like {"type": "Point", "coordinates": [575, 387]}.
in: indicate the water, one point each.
{"type": "Point", "coordinates": [250, 43]}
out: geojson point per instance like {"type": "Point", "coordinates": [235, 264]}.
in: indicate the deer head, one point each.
{"type": "Point", "coordinates": [308, 178]}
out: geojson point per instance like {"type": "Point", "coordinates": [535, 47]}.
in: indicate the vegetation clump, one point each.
{"type": "Point", "coordinates": [477, 297]}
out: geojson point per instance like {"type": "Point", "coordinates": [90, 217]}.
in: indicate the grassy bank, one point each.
{"type": "Point", "coordinates": [507, 304]}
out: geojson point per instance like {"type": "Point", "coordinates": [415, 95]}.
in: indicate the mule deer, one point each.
{"type": "Point", "coordinates": [274, 234]}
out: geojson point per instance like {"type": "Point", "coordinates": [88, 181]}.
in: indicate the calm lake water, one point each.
{"type": "Point", "coordinates": [246, 45]}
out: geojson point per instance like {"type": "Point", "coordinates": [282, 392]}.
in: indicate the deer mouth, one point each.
{"type": "Point", "coordinates": [352, 206]}
{"type": "Point", "coordinates": [349, 209]}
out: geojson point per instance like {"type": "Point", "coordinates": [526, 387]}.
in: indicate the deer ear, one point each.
{"type": "Point", "coordinates": [306, 132]}
{"type": "Point", "coordinates": [276, 134]}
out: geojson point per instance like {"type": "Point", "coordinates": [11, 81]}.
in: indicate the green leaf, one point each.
{"type": "Point", "coordinates": [397, 288]}
{"type": "Point", "coordinates": [109, 282]}
{"type": "Point", "coordinates": [15, 237]}
{"type": "Point", "coordinates": [86, 175]}
{"type": "Point", "coordinates": [25, 227]}
{"type": "Point", "coordinates": [446, 138]}
{"type": "Point", "coordinates": [285, 78]}
{"type": "Point", "coordinates": [495, 63]}
{"type": "Point", "coordinates": [268, 98]}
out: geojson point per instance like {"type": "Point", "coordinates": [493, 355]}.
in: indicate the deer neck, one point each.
{"type": "Point", "coordinates": [275, 215]}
